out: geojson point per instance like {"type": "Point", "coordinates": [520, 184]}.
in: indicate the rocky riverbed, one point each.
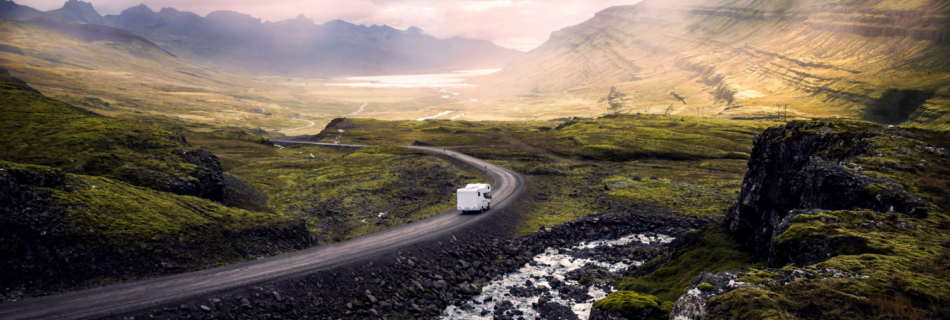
{"type": "Point", "coordinates": [423, 280]}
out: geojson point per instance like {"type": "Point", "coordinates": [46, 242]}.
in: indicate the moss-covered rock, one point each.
{"type": "Point", "coordinates": [810, 165]}
{"type": "Point", "coordinates": [862, 209]}
{"type": "Point", "coordinates": [630, 304]}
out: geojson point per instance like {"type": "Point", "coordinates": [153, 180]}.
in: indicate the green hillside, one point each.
{"type": "Point", "coordinates": [89, 200]}
{"type": "Point", "coordinates": [43, 131]}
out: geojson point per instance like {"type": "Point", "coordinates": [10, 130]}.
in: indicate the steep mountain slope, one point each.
{"type": "Point", "coordinates": [884, 61]}
{"type": "Point", "coordinates": [240, 43]}
{"type": "Point", "coordinates": [77, 11]}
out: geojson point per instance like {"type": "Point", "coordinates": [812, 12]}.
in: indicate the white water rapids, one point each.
{"type": "Point", "coordinates": [549, 263]}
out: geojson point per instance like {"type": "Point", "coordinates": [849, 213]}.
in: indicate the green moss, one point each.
{"type": "Point", "coordinates": [758, 276]}
{"type": "Point", "coordinates": [874, 189]}
{"type": "Point", "coordinates": [709, 251]}
{"type": "Point", "coordinates": [127, 215]}
{"type": "Point", "coordinates": [627, 303]}
{"type": "Point", "coordinates": [694, 193]}
{"type": "Point", "coordinates": [750, 303]}
{"type": "Point", "coordinates": [43, 131]}
{"type": "Point", "coordinates": [706, 287]}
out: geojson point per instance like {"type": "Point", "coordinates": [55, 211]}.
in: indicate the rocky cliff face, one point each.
{"type": "Point", "coordinates": [860, 59]}
{"type": "Point", "coordinates": [817, 167]}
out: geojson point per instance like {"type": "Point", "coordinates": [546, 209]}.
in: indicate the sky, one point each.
{"type": "Point", "coordinates": [516, 24]}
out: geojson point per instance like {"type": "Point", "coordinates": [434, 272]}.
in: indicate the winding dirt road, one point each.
{"type": "Point", "coordinates": [292, 129]}
{"type": "Point", "coordinates": [137, 295]}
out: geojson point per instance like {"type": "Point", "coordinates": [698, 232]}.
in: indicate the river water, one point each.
{"type": "Point", "coordinates": [439, 80]}
{"type": "Point", "coordinates": [554, 263]}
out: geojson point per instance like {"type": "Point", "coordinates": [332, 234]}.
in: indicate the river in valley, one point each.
{"type": "Point", "coordinates": [440, 80]}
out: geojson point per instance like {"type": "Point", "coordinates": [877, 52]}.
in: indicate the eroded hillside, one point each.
{"type": "Point", "coordinates": [883, 61]}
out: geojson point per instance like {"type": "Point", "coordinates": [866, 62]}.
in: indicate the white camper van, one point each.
{"type": "Point", "coordinates": [474, 197]}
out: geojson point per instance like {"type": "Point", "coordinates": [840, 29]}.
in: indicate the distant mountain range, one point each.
{"type": "Point", "coordinates": [236, 42]}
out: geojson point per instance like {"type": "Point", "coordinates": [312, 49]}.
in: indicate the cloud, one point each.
{"type": "Point", "coordinates": [517, 24]}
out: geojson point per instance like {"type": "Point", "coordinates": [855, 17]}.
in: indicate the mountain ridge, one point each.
{"type": "Point", "coordinates": [240, 43]}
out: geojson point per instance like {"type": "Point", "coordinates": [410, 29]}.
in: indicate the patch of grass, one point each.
{"type": "Point", "coordinates": [44, 131]}
{"type": "Point", "coordinates": [611, 138]}
{"type": "Point", "coordinates": [695, 192]}
{"type": "Point", "coordinates": [345, 193]}
{"type": "Point", "coordinates": [751, 304]}
{"type": "Point", "coordinates": [707, 251]}
{"type": "Point", "coordinates": [234, 148]}
{"type": "Point", "coordinates": [128, 216]}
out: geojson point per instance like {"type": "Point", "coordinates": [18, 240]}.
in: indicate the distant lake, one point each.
{"type": "Point", "coordinates": [441, 80]}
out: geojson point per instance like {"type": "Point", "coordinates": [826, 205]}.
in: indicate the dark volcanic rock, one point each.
{"type": "Point", "coordinates": [555, 311]}
{"type": "Point", "coordinates": [803, 165]}
{"type": "Point", "coordinates": [527, 291]}
{"type": "Point", "coordinates": [420, 281]}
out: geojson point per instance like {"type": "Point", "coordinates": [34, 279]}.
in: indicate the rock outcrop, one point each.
{"type": "Point", "coordinates": [806, 167]}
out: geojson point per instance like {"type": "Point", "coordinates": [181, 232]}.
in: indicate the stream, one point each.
{"type": "Point", "coordinates": [545, 280]}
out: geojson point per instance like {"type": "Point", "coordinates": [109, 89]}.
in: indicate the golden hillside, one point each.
{"type": "Point", "coordinates": [881, 60]}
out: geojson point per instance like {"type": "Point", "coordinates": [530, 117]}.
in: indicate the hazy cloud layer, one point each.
{"type": "Point", "coordinates": [517, 24]}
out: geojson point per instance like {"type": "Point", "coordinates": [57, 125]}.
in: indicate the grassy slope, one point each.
{"type": "Point", "coordinates": [571, 165]}
{"type": "Point", "coordinates": [44, 131]}
{"type": "Point", "coordinates": [102, 210]}
{"type": "Point", "coordinates": [740, 58]}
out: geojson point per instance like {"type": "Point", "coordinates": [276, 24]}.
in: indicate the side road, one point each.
{"type": "Point", "coordinates": [141, 294]}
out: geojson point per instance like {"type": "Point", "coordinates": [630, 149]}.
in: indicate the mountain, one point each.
{"type": "Point", "coordinates": [876, 60]}
{"type": "Point", "coordinates": [237, 42]}
{"type": "Point", "coordinates": [77, 11]}
{"type": "Point", "coordinates": [10, 10]}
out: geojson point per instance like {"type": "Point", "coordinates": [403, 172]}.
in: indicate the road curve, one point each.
{"type": "Point", "coordinates": [137, 295]}
{"type": "Point", "coordinates": [299, 128]}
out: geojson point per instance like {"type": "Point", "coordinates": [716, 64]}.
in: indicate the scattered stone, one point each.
{"type": "Point", "coordinates": [556, 311]}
